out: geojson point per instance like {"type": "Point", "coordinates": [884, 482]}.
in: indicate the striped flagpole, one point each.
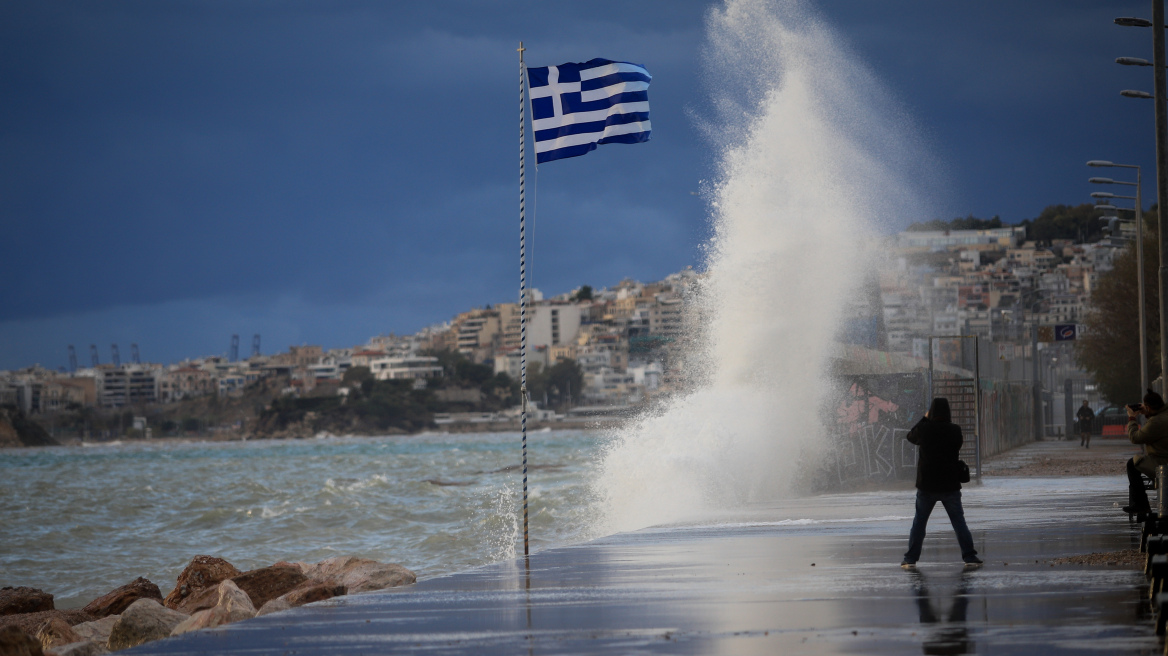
{"type": "Point", "coordinates": [523, 290]}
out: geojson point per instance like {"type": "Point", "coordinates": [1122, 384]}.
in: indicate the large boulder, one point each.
{"type": "Point", "coordinates": [308, 592]}
{"type": "Point", "coordinates": [145, 620]}
{"type": "Point", "coordinates": [15, 642]}
{"type": "Point", "coordinates": [359, 574]}
{"type": "Point", "coordinates": [55, 632]}
{"type": "Point", "coordinates": [30, 622]}
{"type": "Point", "coordinates": [84, 648]}
{"type": "Point", "coordinates": [313, 591]}
{"type": "Point", "coordinates": [98, 630]}
{"type": "Point", "coordinates": [113, 603]}
{"type": "Point", "coordinates": [15, 601]}
{"type": "Point", "coordinates": [199, 600]}
{"type": "Point", "coordinates": [203, 572]}
{"type": "Point", "coordinates": [274, 606]}
{"type": "Point", "coordinates": [266, 583]}
{"type": "Point", "coordinates": [234, 605]}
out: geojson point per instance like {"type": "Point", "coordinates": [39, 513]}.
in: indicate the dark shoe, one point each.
{"type": "Point", "coordinates": [1134, 510]}
{"type": "Point", "coordinates": [908, 565]}
{"type": "Point", "coordinates": [973, 562]}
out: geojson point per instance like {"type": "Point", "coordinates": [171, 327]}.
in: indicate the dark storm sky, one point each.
{"type": "Point", "coordinates": [321, 172]}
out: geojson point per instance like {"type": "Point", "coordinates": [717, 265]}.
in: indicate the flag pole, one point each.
{"type": "Point", "coordinates": [523, 290]}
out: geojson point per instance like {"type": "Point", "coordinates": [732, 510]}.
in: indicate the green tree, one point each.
{"type": "Point", "coordinates": [559, 382]}
{"type": "Point", "coordinates": [502, 387]}
{"type": "Point", "coordinates": [1109, 348]}
{"type": "Point", "coordinates": [356, 375]}
{"type": "Point", "coordinates": [1077, 222]}
{"type": "Point", "coordinates": [968, 223]}
{"type": "Point", "coordinates": [584, 293]}
{"type": "Point", "coordinates": [471, 374]}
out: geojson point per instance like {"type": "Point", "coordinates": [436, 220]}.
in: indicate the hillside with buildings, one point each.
{"type": "Point", "coordinates": [592, 353]}
{"type": "Point", "coordinates": [617, 344]}
{"type": "Point", "coordinates": [992, 283]}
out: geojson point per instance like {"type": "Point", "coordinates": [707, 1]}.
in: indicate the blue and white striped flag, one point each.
{"type": "Point", "coordinates": [574, 107]}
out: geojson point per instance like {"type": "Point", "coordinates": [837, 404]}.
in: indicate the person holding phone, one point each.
{"type": "Point", "coordinates": [1153, 435]}
{"type": "Point", "coordinates": [939, 443]}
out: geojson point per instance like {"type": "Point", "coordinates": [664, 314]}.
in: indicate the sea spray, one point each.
{"type": "Point", "coordinates": [812, 156]}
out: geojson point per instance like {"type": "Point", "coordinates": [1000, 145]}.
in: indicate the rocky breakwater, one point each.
{"type": "Point", "coordinates": [209, 592]}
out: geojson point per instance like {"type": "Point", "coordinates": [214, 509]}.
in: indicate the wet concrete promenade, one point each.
{"type": "Point", "coordinates": [817, 575]}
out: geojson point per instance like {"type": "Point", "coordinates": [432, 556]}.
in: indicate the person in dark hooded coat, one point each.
{"type": "Point", "coordinates": [939, 441]}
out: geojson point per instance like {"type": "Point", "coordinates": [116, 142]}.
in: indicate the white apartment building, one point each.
{"type": "Point", "coordinates": [667, 317]}
{"type": "Point", "coordinates": [231, 384]}
{"type": "Point", "coordinates": [405, 368]}
{"type": "Point", "coordinates": [128, 384]}
{"type": "Point", "coordinates": [548, 324]}
{"type": "Point", "coordinates": [939, 240]}
{"type": "Point", "coordinates": [610, 388]}
{"type": "Point", "coordinates": [509, 362]}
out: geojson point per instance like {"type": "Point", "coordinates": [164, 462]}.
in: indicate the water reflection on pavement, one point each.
{"type": "Point", "coordinates": [951, 636]}
{"type": "Point", "coordinates": [814, 575]}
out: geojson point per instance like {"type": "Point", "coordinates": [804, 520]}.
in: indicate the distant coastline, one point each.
{"type": "Point", "coordinates": [588, 424]}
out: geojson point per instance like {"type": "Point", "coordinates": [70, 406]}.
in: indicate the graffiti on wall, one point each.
{"type": "Point", "coordinates": [873, 413]}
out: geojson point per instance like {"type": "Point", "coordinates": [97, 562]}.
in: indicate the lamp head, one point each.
{"type": "Point", "coordinates": [1133, 22]}
{"type": "Point", "coordinates": [1101, 181]}
{"type": "Point", "coordinates": [1100, 162]}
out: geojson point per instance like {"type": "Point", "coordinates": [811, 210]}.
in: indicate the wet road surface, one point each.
{"type": "Point", "coordinates": [815, 575]}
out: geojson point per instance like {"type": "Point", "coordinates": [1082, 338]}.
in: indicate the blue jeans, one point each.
{"type": "Point", "coordinates": [952, 503]}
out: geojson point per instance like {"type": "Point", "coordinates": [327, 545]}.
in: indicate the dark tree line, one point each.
{"type": "Point", "coordinates": [1075, 222]}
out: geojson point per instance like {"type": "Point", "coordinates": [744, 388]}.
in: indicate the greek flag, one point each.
{"type": "Point", "coordinates": [574, 107]}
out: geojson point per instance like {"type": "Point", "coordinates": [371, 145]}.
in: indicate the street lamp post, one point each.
{"type": "Point", "coordinates": [1159, 98]}
{"type": "Point", "coordinates": [1138, 184]}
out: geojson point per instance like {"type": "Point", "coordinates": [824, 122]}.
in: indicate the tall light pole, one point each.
{"type": "Point", "coordinates": [1160, 100]}
{"type": "Point", "coordinates": [1160, 90]}
{"type": "Point", "coordinates": [1138, 198]}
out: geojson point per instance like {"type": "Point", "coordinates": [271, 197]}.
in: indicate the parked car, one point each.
{"type": "Point", "coordinates": [1111, 421]}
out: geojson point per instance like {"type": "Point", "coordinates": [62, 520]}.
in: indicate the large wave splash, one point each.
{"type": "Point", "coordinates": [813, 155]}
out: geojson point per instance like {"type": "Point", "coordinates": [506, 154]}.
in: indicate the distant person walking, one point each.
{"type": "Point", "coordinates": [939, 441]}
{"type": "Point", "coordinates": [1154, 436]}
{"type": "Point", "coordinates": [1086, 422]}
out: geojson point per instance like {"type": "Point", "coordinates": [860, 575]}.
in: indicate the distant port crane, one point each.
{"type": "Point", "coordinates": [114, 356]}
{"type": "Point", "coordinates": [93, 355]}
{"type": "Point", "coordinates": [234, 357]}
{"type": "Point", "coordinates": [255, 345]}
{"type": "Point", "coordinates": [72, 358]}
{"type": "Point", "coordinates": [134, 357]}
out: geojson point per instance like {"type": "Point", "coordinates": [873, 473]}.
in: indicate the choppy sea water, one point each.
{"type": "Point", "coordinates": [79, 521]}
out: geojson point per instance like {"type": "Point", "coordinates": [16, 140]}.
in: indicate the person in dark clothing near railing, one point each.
{"type": "Point", "coordinates": [939, 441]}
{"type": "Point", "coordinates": [1153, 435]}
